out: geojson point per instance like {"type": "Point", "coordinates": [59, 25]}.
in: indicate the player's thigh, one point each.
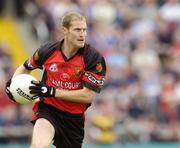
{"type": "Point", "coordinates": [43, 132]}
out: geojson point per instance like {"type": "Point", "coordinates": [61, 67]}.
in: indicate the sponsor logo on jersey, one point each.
{"type": "Point", "coordinates": [92, 79]}
{"type": "Point", "coordinates": [77, 71]}
{"type": "Point", "coordinates": [99, 67]}
{"type": "Point", "coordinates": [67, 85]}
{"type": "Point", "coordinates": [53, 67]}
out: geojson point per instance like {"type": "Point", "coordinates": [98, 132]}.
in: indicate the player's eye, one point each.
{"type": "Point", "coordinates": [77, 29]}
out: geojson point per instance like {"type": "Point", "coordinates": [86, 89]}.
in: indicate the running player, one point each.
{"type": "Point", "coordinates": [73, 73]}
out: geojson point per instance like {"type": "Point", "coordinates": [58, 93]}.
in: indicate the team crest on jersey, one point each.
{"type": "Point", "coordinates": [99, 67]}
{"type": "Point", "coordinates": [77, 71]}
{"type": "Point", "coordinates": [53, 68]}
{"type": "Point", "coordinates": [64, 77]}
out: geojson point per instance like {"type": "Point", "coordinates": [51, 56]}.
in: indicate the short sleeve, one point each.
{"type": "Point", "coordinates": [32, 62]}
{"type": "Point", "coordinates": [95, 70]}
{"type": "Point", "coordinates": [38, 58]}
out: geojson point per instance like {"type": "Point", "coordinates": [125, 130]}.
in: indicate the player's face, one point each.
{"type": "Point", "coordinates": [76, 34]}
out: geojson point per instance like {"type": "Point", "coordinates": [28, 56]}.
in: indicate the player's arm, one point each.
{"type": "Point", "coordinates": [34, 62]}
{"type": "Point", "coordinates": [84, 95]}
{"type": "Point", "coordinates": [21, 70]}
{"type": "Point", "coordinates": [25, 68]}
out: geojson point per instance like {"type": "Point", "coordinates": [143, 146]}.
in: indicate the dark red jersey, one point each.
{"type": "Point", "coordinates": [86, 68]}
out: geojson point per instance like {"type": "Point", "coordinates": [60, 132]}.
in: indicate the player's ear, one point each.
{"type": "Point", "coordinates": [64, 30]}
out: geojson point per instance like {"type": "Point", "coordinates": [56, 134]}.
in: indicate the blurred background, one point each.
{"type": "Point", "coordinates": [139, 105]}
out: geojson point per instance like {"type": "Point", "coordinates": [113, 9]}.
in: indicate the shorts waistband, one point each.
{"type": "Point", "coordinates": [63, 113]}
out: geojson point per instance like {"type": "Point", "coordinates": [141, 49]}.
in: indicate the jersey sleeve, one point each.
{"type": "Point", "coordinates": [38, 58]}
{"type": "Point", "coordinates": [95, 70]}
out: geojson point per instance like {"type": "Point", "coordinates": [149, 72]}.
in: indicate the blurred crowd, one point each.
{"type": "Point", "coordinates": [140, 40]}
{"type": "Point", "coordinates": [14, 118]}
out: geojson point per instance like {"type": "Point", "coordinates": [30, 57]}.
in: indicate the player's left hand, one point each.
{"type": "Point", "coordinates": [39, 89]}
{"type": "Point", "coordinates": [8, 92]}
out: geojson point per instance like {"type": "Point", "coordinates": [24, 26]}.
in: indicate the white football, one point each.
{"type": "Point", "coordinates": [20, 88]}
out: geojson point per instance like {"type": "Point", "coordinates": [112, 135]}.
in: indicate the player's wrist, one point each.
{"type": "Point", "coordinates": [51, 92]}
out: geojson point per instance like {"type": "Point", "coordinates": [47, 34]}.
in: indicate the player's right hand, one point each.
{"type": "Point", "coordinates": [39, 89]}
{"type": "Point", "coordinates": [9, 94]}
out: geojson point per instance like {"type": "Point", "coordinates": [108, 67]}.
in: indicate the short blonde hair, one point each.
{"type": "Point", "coordinates": [71, 16]}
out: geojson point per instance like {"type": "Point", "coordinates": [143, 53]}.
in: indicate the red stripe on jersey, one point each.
{"type": "Point", "coordinates": [30, 63]}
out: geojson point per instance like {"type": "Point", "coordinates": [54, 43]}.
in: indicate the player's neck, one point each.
{"type": "Point", "coordinates": [68, 49]}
